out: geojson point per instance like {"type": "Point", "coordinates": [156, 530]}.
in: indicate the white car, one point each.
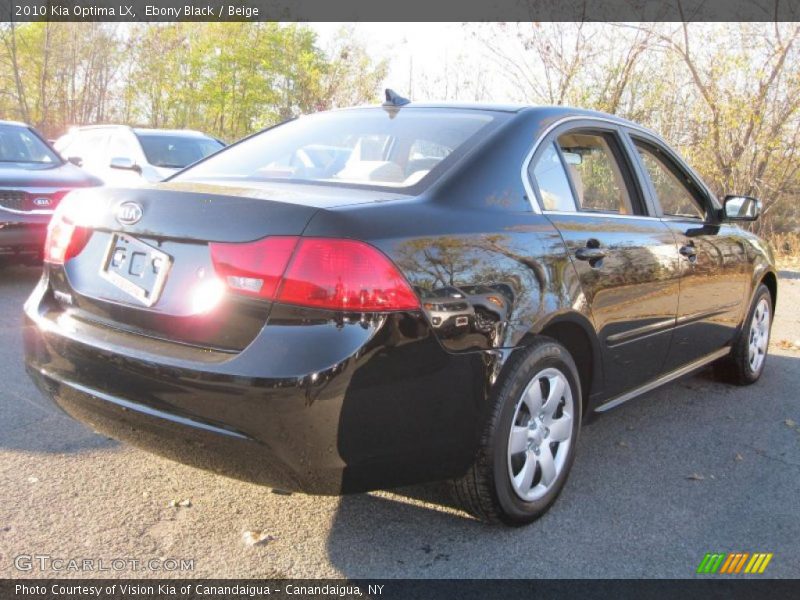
{"type": "Point", "coordinates": [126, 156]}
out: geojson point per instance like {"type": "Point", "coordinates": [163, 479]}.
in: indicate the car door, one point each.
{"type": "Point", "coordinates": [714, 269]}
{"type": "Point", "coordinates": [624, 256]}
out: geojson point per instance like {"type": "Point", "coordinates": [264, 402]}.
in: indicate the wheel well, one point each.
{"type": "Point", "coordinates": [577, 342]}
{"type": "Point", "coordinates": [771, 282]}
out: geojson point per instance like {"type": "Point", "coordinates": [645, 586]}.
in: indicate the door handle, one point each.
{"type": "Point", "coordinates": [689, 251]}
{"type": "Point", "coordinates": [590, 253]}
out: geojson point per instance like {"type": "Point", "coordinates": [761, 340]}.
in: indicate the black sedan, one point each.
{"type": "Point", "coordinates": [263, 313]}
{"type": "Point", "coordinates": [33, 179]}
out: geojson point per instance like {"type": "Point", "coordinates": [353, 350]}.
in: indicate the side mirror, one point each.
{"type": "Point", "coordinates": [75, 160]}
{"type": "Point", "coordinates": [740, 208]}
{"type": "Point", "coordinates": [125, 164]}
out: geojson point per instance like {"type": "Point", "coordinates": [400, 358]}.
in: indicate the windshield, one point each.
{"type": "Point", "coordinates": [19, 144]}
{"type": "Point", "coordinates": [176, 151]}
{"type": "Point", "coordinates": [370, 147]}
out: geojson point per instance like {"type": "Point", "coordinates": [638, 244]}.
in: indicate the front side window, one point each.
{"type": "Point", "coordinates": [674, 196]}
{"type": "Point", "coordinates": [120, 147]}
{"type": "Point", "coordinates": [595, 173]}
{"type": "Point", "coordinates": [93, 144]}
{"type": "Point", "coordinates": [369, 147]}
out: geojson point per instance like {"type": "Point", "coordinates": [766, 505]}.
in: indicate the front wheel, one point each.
{"type": "Point", "coordinates": [528, 445]}
{"type": "Point", "coordinates": [749, 351]}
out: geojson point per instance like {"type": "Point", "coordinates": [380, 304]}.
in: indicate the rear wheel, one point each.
{"type": "Point", "coordinates": [529, 442]}
{"type": "Point", "coordinates": [749, 351]}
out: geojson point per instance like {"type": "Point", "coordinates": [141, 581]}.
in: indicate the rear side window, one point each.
{"type": "Point", "coordinates": [675, 197]}
{"type": "Point", "coordinates": [595, 173]}
{"type": "Point", "coordinates": [175, 151]}
{"type": "Point", "coordinates": [369, 147]}
{"type": "Point", "coordinates": [551, 179]}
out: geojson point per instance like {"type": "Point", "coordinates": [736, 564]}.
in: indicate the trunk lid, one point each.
{"type": "Point", "coordinates": [173, 226]}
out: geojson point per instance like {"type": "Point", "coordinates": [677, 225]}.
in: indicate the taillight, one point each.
{"type": "Point", "coordinates": [65, 240]}
{"type": "Point", "coordinates": [254, 268]}
{"type": "Point", "coordinates": [69, 229]}
{"type": "Point", "coordinates": [334, 274]}
{"type": "Point", "coordinates": [344, 275]}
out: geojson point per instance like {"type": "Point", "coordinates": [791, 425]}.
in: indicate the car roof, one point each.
{"type": "Point", "coordinates": [15, 124]}
{"type": "Point", "coordinates": [478, 106]}
{"type": "Point", "coordinates": [140, 130]}
{"type": "Point", "coordinates": [559, 112]}
{"type": "Point", "coordinates": [550, 112]}
{"type": "Point", "coordinates": [186, 132]}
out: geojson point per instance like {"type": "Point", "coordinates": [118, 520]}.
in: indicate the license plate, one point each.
{"type": "Point", "coordinates": [136, 268]}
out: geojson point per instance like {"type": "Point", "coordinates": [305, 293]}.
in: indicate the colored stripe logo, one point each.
{"type": "Point", "coordinates": [734, 562]}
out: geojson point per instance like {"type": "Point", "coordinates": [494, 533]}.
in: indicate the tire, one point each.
{"type": "Point", "coordinates": [745, 364]}
{"type": "Point", "coordinates": [499, 486]}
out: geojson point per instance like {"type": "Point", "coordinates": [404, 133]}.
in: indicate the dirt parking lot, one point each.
{"type": "Point", "coordinates": [695, 467]}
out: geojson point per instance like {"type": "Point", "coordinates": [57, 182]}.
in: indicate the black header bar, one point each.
{"type": "Point", "coordinates": [398, 10]}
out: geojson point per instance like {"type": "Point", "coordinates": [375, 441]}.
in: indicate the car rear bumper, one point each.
{"type": "Point", "coordinates": [22, 233]}
{"type": "Point", "coordinates": [325, 407]}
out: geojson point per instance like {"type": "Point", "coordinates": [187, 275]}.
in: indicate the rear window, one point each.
{"type": "Point", "coordinates": [370, 147]}
{"type": "Point", "coordinates": [176, 151]}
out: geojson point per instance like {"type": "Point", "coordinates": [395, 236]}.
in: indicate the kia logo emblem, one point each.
{"type": "Point", "coordinates": [41, 201]}
{"type": "Point", "coordinates": [129, 213]}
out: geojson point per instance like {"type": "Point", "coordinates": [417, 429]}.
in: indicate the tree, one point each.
{"type": "Point", "coordinates": [724, 94]}
{"type": "Point", "coordinates": [228, 79]}
{"type": "Point", "coordinates": [62, 73]}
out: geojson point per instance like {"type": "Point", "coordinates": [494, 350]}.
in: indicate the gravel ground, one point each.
{"type": "Point", "coordinates": [694, 467]}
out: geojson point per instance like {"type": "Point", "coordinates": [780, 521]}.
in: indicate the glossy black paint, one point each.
{"type": "Point", "coordinates": [322, 402]}
{"type": "Point", "coordinates": [332, 403]}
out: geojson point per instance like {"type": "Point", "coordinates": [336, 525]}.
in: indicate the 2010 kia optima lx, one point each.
{"type": "Point", "coordinates": [372, 297]}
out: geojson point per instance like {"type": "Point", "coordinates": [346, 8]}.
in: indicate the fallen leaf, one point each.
{"type": "Point", "coordinates": [790, 423]}
{"type": "Point", "coordinates": [696, 477]}
{"type": "Point", "coordinates": [257, 537]}
{"type": "Point", "coordinates": [787, 345]}
{"type": "Point", "coordinates": [739, 456]}
{"type": "Point", "coordinates": [622, 444]}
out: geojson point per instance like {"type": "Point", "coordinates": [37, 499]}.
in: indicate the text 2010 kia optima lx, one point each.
{"type": "Point", "coordinates": [379, 296]}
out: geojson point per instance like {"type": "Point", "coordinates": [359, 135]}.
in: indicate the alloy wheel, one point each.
{"type": "Point", "coordinates": [759, 335]}
{"type": "Point", "coordinates": [541, 434]}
